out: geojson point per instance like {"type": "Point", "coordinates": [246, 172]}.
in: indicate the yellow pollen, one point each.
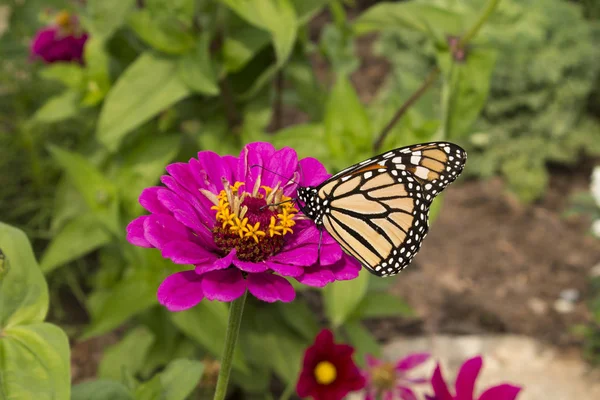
{"type": "Point", "coordinates": [230, 212]}
{"type": "Point", "coordinates": [325, 373]}
{"type": "Point", "coordinates": [63, 19]}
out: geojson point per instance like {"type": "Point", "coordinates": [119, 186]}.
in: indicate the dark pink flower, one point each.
{"type": "Point", "coordinates": [232, 219]}
{"type": "Point", "coordinates": [391, 380]}
{"type": "Point", "coordinates": [62, 41]}
{"type": "Point", "coordinates": [465, 385]}
{"type": "Point", "coordinates": [328, 371]}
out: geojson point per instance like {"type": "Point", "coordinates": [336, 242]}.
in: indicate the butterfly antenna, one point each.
{"type": "Point", "coordinates": [275, 173]}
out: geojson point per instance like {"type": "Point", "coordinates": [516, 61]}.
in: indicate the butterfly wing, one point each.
{"type": "Point", "coordinates": [378, 209]}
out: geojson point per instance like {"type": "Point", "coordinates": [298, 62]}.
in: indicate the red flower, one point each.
{"type": "Point", "coordinates": [328, 372]}
{"type": "Point", "coordinates": [61, 41]}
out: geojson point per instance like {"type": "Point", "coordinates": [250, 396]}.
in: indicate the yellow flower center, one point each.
{"type": "Point", "coordinates": [63, 19]}
{"type": "Point", "coordinates": [254, 223]}
{"type": "Point", "coordinates": [384, 376]}
{"type": "Point", "coordinates": [325, 373]}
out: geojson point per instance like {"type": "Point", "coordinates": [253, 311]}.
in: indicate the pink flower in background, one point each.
{"type": "Point", "coordinates": [391, 380]}
{"type": "Point", "coordinates": [465, 385]}
{"type": "Point", "coordinates": [328, 370]}
{"type": "Point", "coordinates": [62, 41]}
{"type": "Point", "coordinates": [232, 219]}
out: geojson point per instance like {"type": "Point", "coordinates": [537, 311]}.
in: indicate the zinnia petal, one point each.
{"type": "Point", "coordinates": [135, 232]}
{"type": "Point", "coordinates": [439, 385]}
{"type": "Point", "coordinates": [180, 291]}
{"type": "Point", "coordinates": [160, 229]}
{"type": "Point", "coordinates": [312, 172]}
{"type": "Point", "coordinates": [406, 393]}
{"type": "Point", "coordinates": [186, 252]}
{"type": "Point", "coordinates": [501, 392]}
{"type": "Point", "coordinates": [316, 277]}
{"type": "Point", "coordinates": [411, 361]}
{"type": "Point", "coordinates": [270, 287]}
{"type": "Point", "coordinates": [346, 269]}
{"type": "Point", "coordinates": [218, 264]}
{"type": "Point", "coordinates": [223, 285]}
{"type": "Point", "coordinates": [248, 266]}
{"type": "Point", "coordinates": [149, 200]}
{"type": "Point", "coordinates": [465, 381]}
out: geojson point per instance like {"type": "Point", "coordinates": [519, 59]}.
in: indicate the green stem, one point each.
{"type": "Point", "coordinates": [466, 38]}
{"type": "Point", "coordinates": [233, 328]}
{"type": "Point", "coordinates": [34, 159]}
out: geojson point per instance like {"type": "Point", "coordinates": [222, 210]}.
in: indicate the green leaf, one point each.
{"type": "Point", "coordinates": [34, 362]}
{"type": "Point", "coordinates": [99, 193]}
{"type": "Point", "coordinates": [362, 340]}
{"type": "Point", "coordinates": [104, 17]}
{"type": "Point", "coordinates": [23, 290]}
{"type": "Point", "coordinates": [180, 378]}
{"type": "Point", "coordinates": [128, 298]}
{"type": "Point", "coordinates": [147, 87]}
{"type": "Point", "coordinates": [285, 355]}
{"type": "Point", "coordinates": [196, 70]}
{"type": "Point", "coordinates": [466, 88]}
{"type": "Point", "coordinates": [97, 74]}
{"type": "Point", "coordinates": [77, 238]}
{"type": "Point", "coordinates": [241, 45]}
{"type": "Point", "coordinates": [346, 121]}
{"type": "Point", "coordinates": [436, 22]}
{"type": "Point", "coordinates": [206, 323]}
{"type": "Point", "coordinates": [127, 356]}
{"type": "Point", "coordinates": [150, 390]}
{"type": "Point", "coordinates": [70, 75]}
{"type": "Point", "coordinates": [381, 305]}
{"type": "Point", "coordinates": [278, 17]}
{"type": "Point", "coordinates": [101, 390]}
{"type": "Point", "coordinates": [343, 297]}
{"type": "Point", "coordinates": [163, 32]}
{"type": "Point", "coordinates": [58, 108]}
{"type": "Point", "coordinates": [300, 318]}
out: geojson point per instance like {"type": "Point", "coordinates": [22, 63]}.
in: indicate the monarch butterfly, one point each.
{"type": "Point", "coordinates": [378, 209]}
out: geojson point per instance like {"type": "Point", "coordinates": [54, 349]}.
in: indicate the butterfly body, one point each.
{"type": "Point", "coordinates": [378, 209]}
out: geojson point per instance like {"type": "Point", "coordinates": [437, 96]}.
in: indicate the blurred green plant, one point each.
{"type": "Point", "coordinates": [535, 113]}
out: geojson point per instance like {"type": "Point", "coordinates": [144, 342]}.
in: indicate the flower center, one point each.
{"type": "Point", "coordinates": [254, 223]}
{"type": "Point", "coordinates": [384, 376]}
{"type": "Point", "coordinates": [325, 372]}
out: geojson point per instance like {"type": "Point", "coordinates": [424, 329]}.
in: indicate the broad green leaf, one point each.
{"type": "Point", "coordinates": [467, 87]}
{"type": "Point", "coordinates": [58, 108]}
{"type": "Point", "coordinates": [306, 9]}
{"type": "Point", "coordinates": [97, 77]}
{"type": "Point", "coordinates": [147, 87]}
{"type": "Point", "coordinates": [206, 323]}
{"type": "Point", "coordinates": [285, 355]}
{"type": "Point", "coordinates": [68, 203]}
{"type": "Point", "coordinates": [362, 340]}
{"type": "Point", "coordinates": [101, 390]}
{"type": "Point", "coordinates": [436, 22]}
{"type": "Point", "coordinates": [380, 305]}
{"type": "Point", "coordinates": [127, 356]}
{"type": "Point", "coordinates": [128, 298]}
{"type": "Point", "coordinates": [23, 290]}
{"type": "Point", "coordinates": [300, 318]}
{"type": "Point", "coordinates": [104, 17]}
{"type": "Point", "coordinates": [196, 70]}
{"type": "Point", "coordinates": [180, 378]}
{"type": "Point", "coordinates": [143, 164]}
{"type": "Point", "coordinates": [241, 45]}
{"type": "Point", "coordinates": [346, 121]}
{"type": "Point", "coordinates": [79, 236]}
{"type": "Point", "coordinates": [150, 390]}
{"type": "Point", "coordinates": [343, 297]}
{"type": "Point", "coordinates": [34, 362]}
{"type": "Point", "coordinates": [69, 74]}
{"type": "Point", "coordinates": [278, 17]}
{"type": "Point", "coordinates": [99, 193]}
{"type": "Point", "coordinates": [163, 32]}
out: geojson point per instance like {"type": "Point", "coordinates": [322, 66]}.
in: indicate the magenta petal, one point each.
{"type": "Point", "coordinates": [439, 385]}
{"type": "Point", "coordinates": [312, 172]}
{"type": "Point", "coordinates": [501, 392]}
{"type": "Point", "coordinates": [270, 287]}
{"type": "Point", "coordinates": [411, 361]}
{"type": "Point", "coordinates": [285, 162]}
{"type": "Point", "coordinates": [248, 266]}
{"type": "Point", "coordinates": [372, 361]}
{"type": "Point", "coordinates": [180, 291]}
{"type": "Point", "coordinates": [286, 269]}
{"type": "Point", "coordinates": [186, 252]}
{"type": "Point", "coordinates": [406, 393]}
{"type": "Point", "coordinates": [224, 285]}
{"type": "Point", "coordinates": [149, 200]}
{"type": "Point", "coordinates": [316, 276]}
{"type": "Point", "coordinates": [135, 232]}
{"type": "Point", "coordinates": [346, 269]}
{"type": "Point", "coordinates": [387, 395]}
{"type": "Point", "coordinates": [218, 264]}
{"type": "Point", "coordinates": [330, 253]}
{"type": "Point", "coordinates": [465, 381]}
{"type": "Point", "coordinates": [160, 229]}
{"type": "Point", "coordinates": [255, 154]}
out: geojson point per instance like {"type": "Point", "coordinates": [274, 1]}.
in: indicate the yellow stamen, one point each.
{"type": "Point", "coordinates": [253, 232]}
{"type": "Point", "coordinates": [325, 373]}
{"type": "Point", "coordinates": [63, 19]}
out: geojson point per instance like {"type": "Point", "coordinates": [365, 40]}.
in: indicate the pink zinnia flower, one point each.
{"type": "Point", "coordinates": [465, 385]}
{"type": "Point", "coordinates": [391, 380]}
{"type": "Point", "coordinates": [232, 218]}
{"type": "Point", "coordinates": [62, 41]}
{"type": "Point", "coordinates": [328, 371]}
